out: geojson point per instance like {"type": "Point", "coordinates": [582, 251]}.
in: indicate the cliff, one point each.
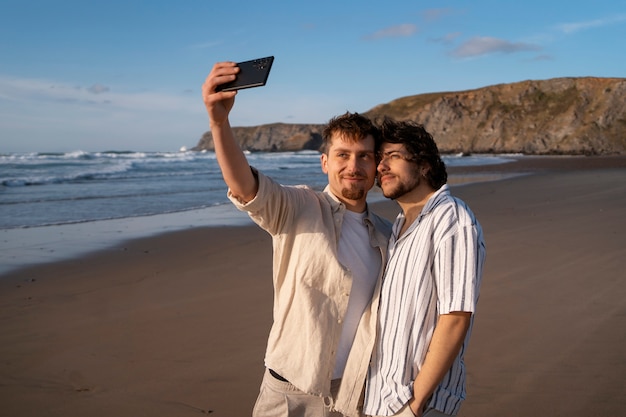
{"type": "Point", "coordinates": [275, 137]}
{"type": "Point", "coordinates": [557, 116]}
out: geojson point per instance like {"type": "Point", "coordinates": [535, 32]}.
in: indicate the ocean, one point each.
{"type": "Point", "coordinates": [42, 189]}
{"type": "Point", "coordinates": [57, 205]}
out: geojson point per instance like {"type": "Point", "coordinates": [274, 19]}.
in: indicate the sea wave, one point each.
{"type": "Point", "coordinates": [19, 170]}
{"type": "Point", "coordinates": [58, 188]}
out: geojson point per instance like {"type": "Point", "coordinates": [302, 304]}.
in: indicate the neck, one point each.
{"type": "Point", "coordinates": [413, 202]}
{"type": "Point", "coordinates": [355, 206]}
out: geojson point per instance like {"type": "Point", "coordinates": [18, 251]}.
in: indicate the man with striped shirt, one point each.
{"type": "Point", "coordinates": [431, 284]}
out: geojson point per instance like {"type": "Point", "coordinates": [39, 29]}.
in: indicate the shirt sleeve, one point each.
{"type": "Point", "coordinates": [457, 269]}
{"type": "Point", "coordinates": [275, 206]}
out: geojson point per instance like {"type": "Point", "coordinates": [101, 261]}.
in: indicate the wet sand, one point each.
{"type": "Point", "coordinates": [176, 324]}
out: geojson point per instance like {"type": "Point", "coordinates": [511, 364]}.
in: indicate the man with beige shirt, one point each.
{"type": "Point", "coordinates": [329, 254]}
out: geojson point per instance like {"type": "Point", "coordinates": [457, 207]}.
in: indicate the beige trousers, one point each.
{"type": "Point", "coordinates": [281, 399]}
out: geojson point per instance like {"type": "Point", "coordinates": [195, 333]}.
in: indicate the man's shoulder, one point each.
{"type": "Point", "coordinates": [456, 210]}
{"type": "Point", "coordinates": [269, 185]}
{"type": "Point", "coordinates": [444, 199]}
{"type": "Point", "coordinates": [272, 195]}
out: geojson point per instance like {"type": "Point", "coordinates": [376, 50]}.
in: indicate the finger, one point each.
{"type": "Point", "coordinates": [221, 73]}
{"type": "Point", "coordinates": [224, 68]}
{"type": "Point", "coordinates": [225, 64]}
{"type": "Point", "coordinates": [210, 96]}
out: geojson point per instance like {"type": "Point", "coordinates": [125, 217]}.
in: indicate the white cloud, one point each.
{"type": "Point", "coordinates": [37, 91]}
{"type": "Point", "coordinates": [47, 115]}
{"type": "Point", "coordinates": [397, 31]}
{"type": "Point", "coordinates": [569, 28]}
{"type": "Point", "coordinates": [487, 45]}
{"type": "Point", "coordinates": [98, 89]}
{"type": "Point", "coordinates": [448, 38]}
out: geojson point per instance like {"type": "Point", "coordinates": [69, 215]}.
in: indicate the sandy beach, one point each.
{"type": "Point", "coordinates": [176, 324]}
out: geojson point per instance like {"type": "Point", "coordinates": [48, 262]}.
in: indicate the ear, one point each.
{"type": "Point", "coordinates": [324, 163]}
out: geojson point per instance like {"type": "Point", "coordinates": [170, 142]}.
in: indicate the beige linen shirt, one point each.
{"type": "Point", "coordinates": [312, 289]}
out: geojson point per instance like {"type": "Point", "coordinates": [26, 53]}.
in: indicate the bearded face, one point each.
{"type": "Point", "coordinates": [351, 168]}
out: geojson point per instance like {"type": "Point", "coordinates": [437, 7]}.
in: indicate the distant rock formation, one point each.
{"type": "Point", "coordinates": [557, 116]}
{"type": "Point", "coordinates": [275, 137]}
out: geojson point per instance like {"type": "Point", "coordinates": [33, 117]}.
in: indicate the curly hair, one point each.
{"type": "Point", "coordinates": [420, 144]}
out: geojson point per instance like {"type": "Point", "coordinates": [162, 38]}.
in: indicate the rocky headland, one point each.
{"type": "Point", "coordinates": [560, 116]}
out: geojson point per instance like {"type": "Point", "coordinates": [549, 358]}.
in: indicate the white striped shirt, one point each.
{"type": "Point", "coordinates": [434, 268]}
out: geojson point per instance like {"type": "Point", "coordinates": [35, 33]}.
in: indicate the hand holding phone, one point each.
{"type": "Point", "coordinates": [252, 73]}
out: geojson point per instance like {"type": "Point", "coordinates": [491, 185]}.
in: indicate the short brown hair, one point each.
{"type": "Point", "coordinates": [352, 126]}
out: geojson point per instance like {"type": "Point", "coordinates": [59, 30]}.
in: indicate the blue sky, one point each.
{"type": "Point", "coordinates": [126, 75]}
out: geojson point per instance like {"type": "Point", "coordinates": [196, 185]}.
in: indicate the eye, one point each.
{"type": "Point", "coordinates": [392, 157]}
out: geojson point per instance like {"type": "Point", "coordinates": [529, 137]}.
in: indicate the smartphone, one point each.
{"type": "Point", "coordinates": [252, 73]}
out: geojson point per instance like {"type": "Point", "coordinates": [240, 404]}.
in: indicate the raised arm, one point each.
{"type": "Point", "coordinates": [231, 159]}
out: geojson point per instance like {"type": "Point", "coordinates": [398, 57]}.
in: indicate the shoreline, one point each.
{"type": "Point", "coordinates": [177, 323]}
{"type": "Point", "coordinates": [25, 247]}
{"type": "Point", "coordinates": [57, 243]}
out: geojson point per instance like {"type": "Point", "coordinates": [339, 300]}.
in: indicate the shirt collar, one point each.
{"type": "Point", "coordinates": [436, 199]}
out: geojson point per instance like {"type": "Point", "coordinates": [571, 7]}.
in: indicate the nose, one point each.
{"type": "Point", "coordinates": [353, 163]}
{"type": "Point", "coordinates": [382, 165]}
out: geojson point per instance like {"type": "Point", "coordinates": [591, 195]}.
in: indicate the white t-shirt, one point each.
{"type": "Point", "coordinates": [357, 255]}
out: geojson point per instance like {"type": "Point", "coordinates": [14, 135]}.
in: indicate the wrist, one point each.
{"type": "Point", "coordinates": [415, 407]}
{"type": "Point", "coordinates": [215, 124]}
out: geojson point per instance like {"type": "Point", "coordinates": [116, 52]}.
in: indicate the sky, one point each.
{"type": "Point", "coordinates": [127, 75]}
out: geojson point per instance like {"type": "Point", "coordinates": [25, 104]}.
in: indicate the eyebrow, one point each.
{"type": "Point", "coordinates": [392, 151]}
{"type": "Point", "coordinates": [341, 149]}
